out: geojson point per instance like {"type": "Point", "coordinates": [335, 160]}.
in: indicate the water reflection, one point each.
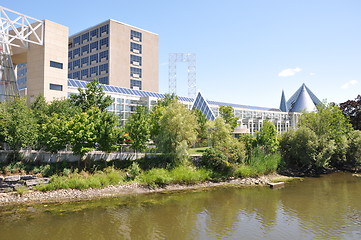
{"type": "Point", "coordinates": [328, 207]}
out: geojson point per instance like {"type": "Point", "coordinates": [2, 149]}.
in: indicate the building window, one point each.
{"type": "Point", "coordinates": [103, 68]}
{"type": "Point", "coordinates": [84, 61]}
{"type": "Point", "coordinates": [76, 64]}
{"type": "Point", "coordinates": [56, 87]}
{"type": "Point", "coordinates": [76, 52]}
{"type": "Point", "coordinates": [76, 75]}
{"type": "Point", "coordinates": [104, 29]}
{"type": "Point", "coordinates": [135, 84]}
{"type": "Point", "coordinates": [94, 70]}
{"type": "Point", "coordinates": [70, 75]}
{"type": "Point", "coordinates": [104, 80]}
{"type": "Point", "coordinates": [56, 64]}
{"type": "Point", "coordinates": [70, 54]}
{"type": "Point", "coordinates": [85, 37]}
{"type": "Point", "coordinates": [93, 58]}
{"type": "Point", "coordinates": [136, 36]}
{"type": "Point", "coordinates": [70, 66]}
{"type": "Point", "coordinates": [135, 47]}
{"type": "Point", "coordinates": [104, 42]}
{"type": "Point", "coordinates": [94, 33]}
{"type": "Point", "coordinates": [135, 72]}
{"type": "Point", "coordinates": [84, 73]}
{"type": "Point", "coordinates": [77, 40]}
{"type": "Point", "coordinates": [103, 54]}
{"type": "Point", "coordinates": [85, 49]}
{"type": "Point", "coordinates": [94, 45]}
{"type": "Point", "coordinates": [136, 60]}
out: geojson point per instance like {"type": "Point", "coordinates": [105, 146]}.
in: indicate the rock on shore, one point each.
{"type": "Point", "coordinates": [65, 195]}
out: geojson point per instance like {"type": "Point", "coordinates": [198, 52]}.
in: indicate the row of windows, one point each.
{"type": "Point", "coordinates": [89, 35]}
{"type": "Point", "coordinates": [88, 60]}
{"type": "Point", "coordinates": [80, 51]}
{"type": "Point", "coordinates": [101, 69]}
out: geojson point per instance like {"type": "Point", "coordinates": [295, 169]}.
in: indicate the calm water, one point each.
{"type": "Point", "coordinates": [328, 207]}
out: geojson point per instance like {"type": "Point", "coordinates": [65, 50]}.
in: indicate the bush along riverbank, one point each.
{"type": "Point", "coordinates": [119, 177]}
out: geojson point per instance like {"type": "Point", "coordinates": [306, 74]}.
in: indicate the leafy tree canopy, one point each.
{"type": "Point", "coordinates": [227, 113]}
{"type": "Point", "coordinates": [92, 96]}
{"type": "Point", "coordinates": [352, 110]}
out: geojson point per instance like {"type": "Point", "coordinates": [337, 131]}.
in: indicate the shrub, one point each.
{"type": "Point", "coordinates": [134, 170]}
{"type": "Point", "coordinates": [189, 175]}
{"type": "Point", "coordinates": [303, 149]}
{"type": "Point", "coordinates": [354, 148]}
{"type": "Point", "coordinates": [155, 177]}
{"type": "Point", "coordinates": [215, 159]}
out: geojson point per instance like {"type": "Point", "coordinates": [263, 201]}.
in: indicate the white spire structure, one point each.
{"type": "Point", "coordinates": [16, 31]}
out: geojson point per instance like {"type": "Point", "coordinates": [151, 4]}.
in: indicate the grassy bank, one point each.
{"type": "Point", "coordinates": [147, 172]}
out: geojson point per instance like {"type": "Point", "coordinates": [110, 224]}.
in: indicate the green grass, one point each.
{"type": "Point", "coordinates": [200, 150]}
{"type": "Point", "coordinates": [84, 180]}
{"type": "Point", "coordinates": [179, 175]}
{"type": "Point", "coordinates": [259, 164]}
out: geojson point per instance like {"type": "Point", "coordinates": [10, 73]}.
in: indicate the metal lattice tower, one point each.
{"type": "Point", "coordinates": [16, 31]}
{"type": "Point", "coordinates": [190, 58]}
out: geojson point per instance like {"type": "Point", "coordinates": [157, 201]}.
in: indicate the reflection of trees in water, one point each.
{"type": "Point", "coordinates": [315, 207]}
{"type": "Point", "coordinates": [323, 205]}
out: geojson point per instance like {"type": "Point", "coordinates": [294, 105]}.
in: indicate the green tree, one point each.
{"type": "Point", "coordinates": [202, 129]}
{"type": "Point", "coordinates": [82, 132]}
{"type": "Point", "coordinates": [178, 131]}
{"type": "Point", "coordinates": [92, 96]}
{"type": "Point", "coordinates": [156, 114]}
{"type": "Point", "coordinates": [304, 150]}
{"type": "Point", "coordinates": [53, 133]}
{"type": "Point", "coordinates": [222, 140]}
{"type": "Point", "coordinates": [352, 110]}
{"type": "Point", "coordinates": [21, 129]}
{"type": "Point", "coordinates": [267, 137]}
{"type": "Point", "coordinates": [138, 128]}
{"type": "Point", "coordinates": [329, 123]}
{"type": "Point", "coordinates": [227, 113]}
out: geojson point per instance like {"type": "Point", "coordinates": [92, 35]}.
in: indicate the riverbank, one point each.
{"type": "Point", "coordinates": [68, 195]}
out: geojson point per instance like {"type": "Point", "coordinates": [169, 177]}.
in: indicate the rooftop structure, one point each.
{"type": "Point", "coordinates": [302, 100]}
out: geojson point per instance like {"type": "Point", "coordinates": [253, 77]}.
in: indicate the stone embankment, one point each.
{"type": "Point", "coordinates": [16, 182]}
{"type": "Point", "coordinates": [66, 195]}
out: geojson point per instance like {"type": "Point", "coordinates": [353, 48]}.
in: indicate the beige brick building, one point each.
{"type": "Point", "coordinates": [116, 54]}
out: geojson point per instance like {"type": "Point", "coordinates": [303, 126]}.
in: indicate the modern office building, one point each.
{"type": "Point", "coordinates": [116, 54]}
{"type": "Point", "coordinates": [250, 117]}
{"type": "Point", "coordinates": [113, 52]}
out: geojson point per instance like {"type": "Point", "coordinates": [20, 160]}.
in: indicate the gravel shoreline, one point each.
{"type": "Point", "coordinates": [68, 195]}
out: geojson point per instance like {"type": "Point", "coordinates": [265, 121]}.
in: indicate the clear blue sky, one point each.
{"type": "Point", "coordinates": [247, 51]}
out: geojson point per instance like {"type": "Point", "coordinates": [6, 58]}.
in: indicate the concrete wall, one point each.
{"type": "Point", "coordinates": [6, 155]}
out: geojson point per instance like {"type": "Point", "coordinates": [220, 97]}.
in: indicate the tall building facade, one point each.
{"type": "Point", "coordinates": [42, 69]}
{"type": "Point", "coordinates": [116, 54]}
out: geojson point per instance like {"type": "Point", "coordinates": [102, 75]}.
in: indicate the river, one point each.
{"type": "Point", "coordinates": [326, 207]}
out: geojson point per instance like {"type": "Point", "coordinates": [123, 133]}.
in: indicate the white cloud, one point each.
{"type": "Point", "coordinates": [349, 84]}
{"type": "Point", "coordinates": [312, 74]}
{"type": "Point", "coordinates": [288, 72]}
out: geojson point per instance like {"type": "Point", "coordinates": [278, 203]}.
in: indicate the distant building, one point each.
{"type": "Point", "coordinates": [113, 52]}
{"type": "Point", "coordinates": [250, 117]}
{"type": "Point", "coordinates": [116, 54]}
